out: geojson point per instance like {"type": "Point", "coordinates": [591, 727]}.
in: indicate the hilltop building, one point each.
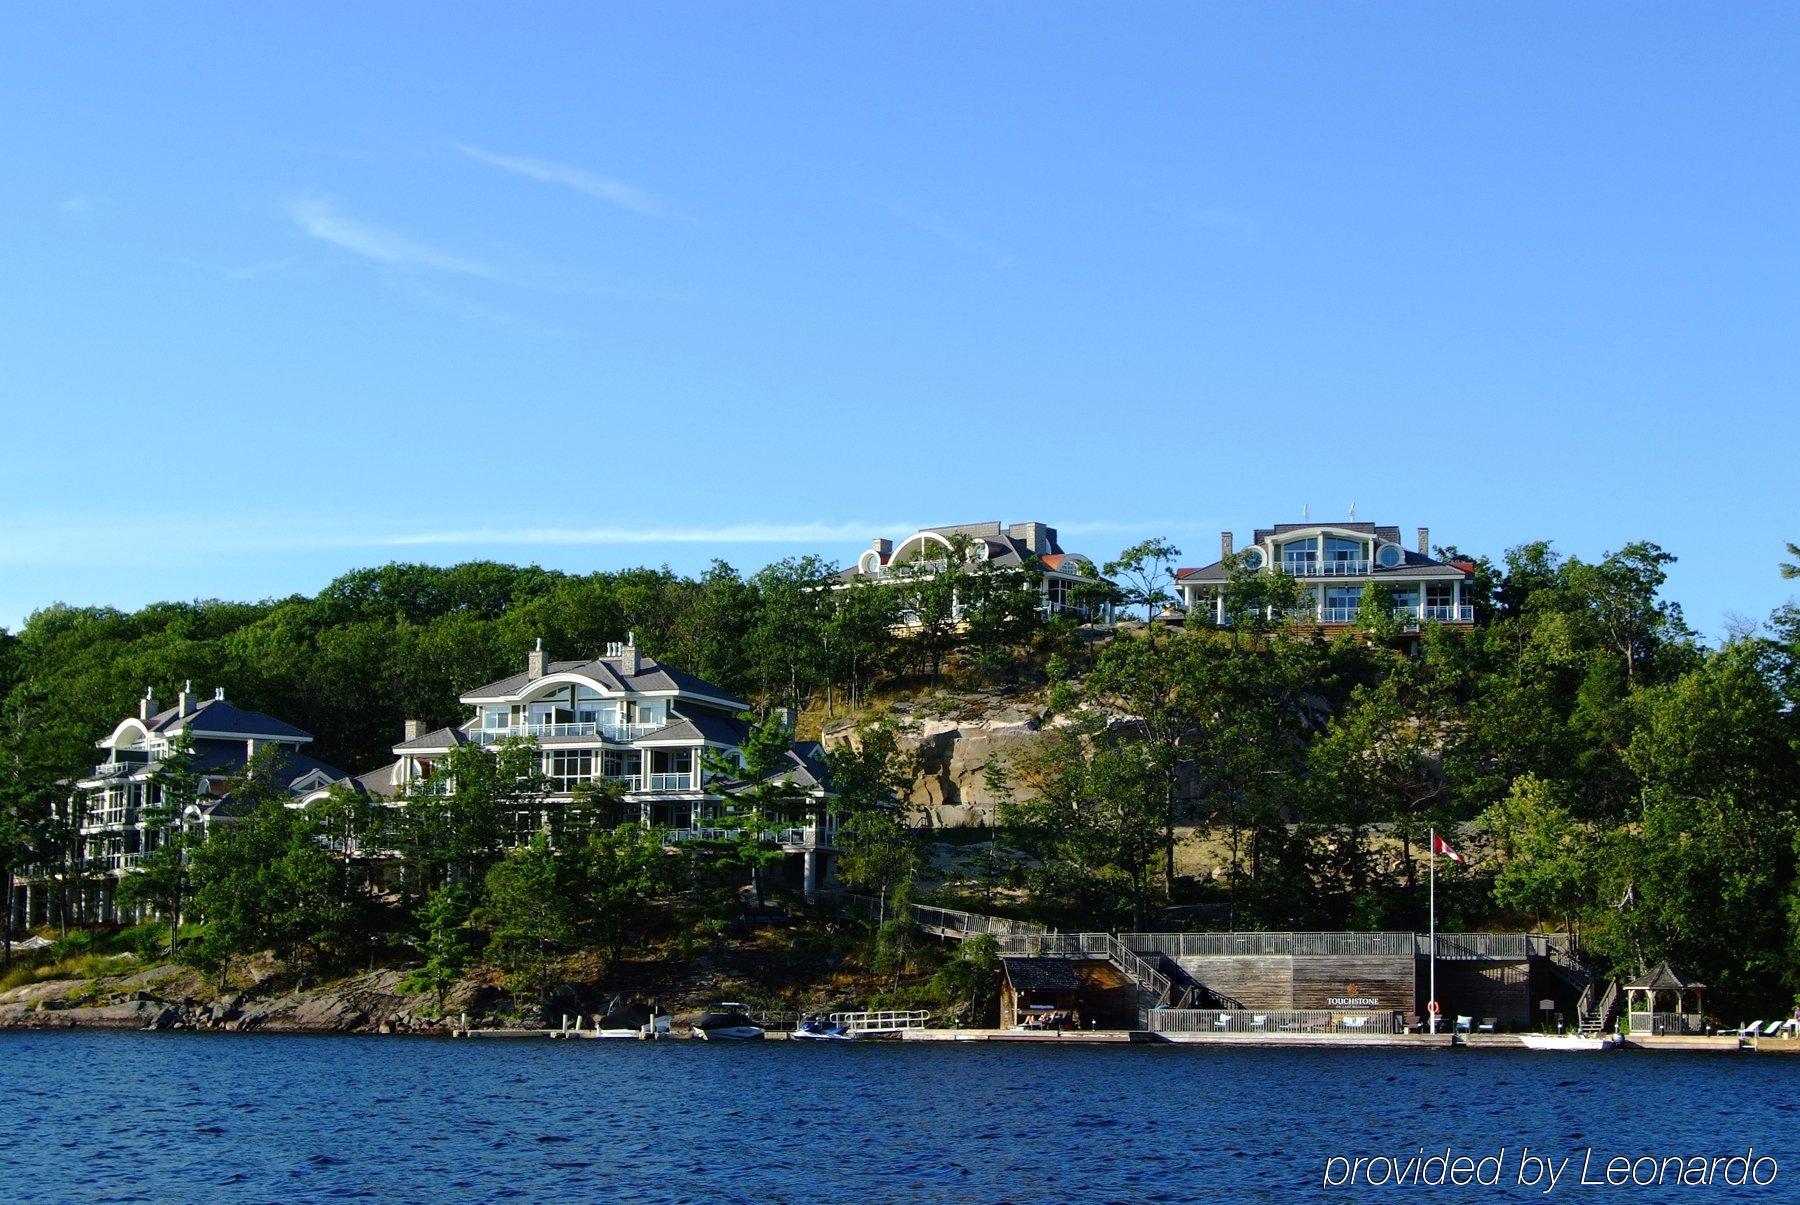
{"type": "Point", "coordinates": [109, 806]}
{"type": "Point", "coordinates": [1334, 564]}
{"type": "Point", "coordinates": [1003, 546]}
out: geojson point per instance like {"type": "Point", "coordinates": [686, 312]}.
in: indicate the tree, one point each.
{"type": "Point", "coordinates": [1791, 569]}
{"type": "Point", "coordinates": [859, 636]}
{"type": "Point", "coordinates": [1092, 804]}
{"type": "Point", "coordinates": [1002, 609]}
{"type": "Point", "coordinates": [160, 881]}
{"type": "Point", "coordinates": [1548, 866]}
{"type": "Point", "coordinates": [787, 639]}
{"type": "Point", "coordinates": [449, 944]}
{"type": "Point", "coordinates": [263, 880]}
{"type": "Point", "coordinates": [969, 977]}
{"type": "Point", "coordinates": [869, 777]}
{"type": "Point", "coordinates": [760, 797]}
{"type": "Point", "coordinates": [931, 603]}
{"type": "Point", "coordinates": [530, 915]}
{"type": "Point", "coordinates": [457, 819]}
{"type": "Point", "coordinates": [1621, 594]}
{"type": "Point", "coordinates": [1148, 570]}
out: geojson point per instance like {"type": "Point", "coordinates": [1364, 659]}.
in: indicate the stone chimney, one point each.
{"type": "Point", "coordinates": [147, 704]}
{"type": "Point", "coordinates": [1424, 541]}
{"type": "Point", "coordinates": [1225, 545]}
{"type": "Point", "coordinates": [535, 664]}
{"type": "Point", "coordinates": [883, 549]}
{"type": "Point", "coordinates": [1038, 538]}
{"type": "Point", "coordinates": [629, 661]}
{"type": "Point", "coordinates": [184, 702]}
{"type": "Point", "coordinates": [414, 729]}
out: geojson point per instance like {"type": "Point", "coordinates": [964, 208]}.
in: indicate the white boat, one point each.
{"type": "Point", "coordinates": [822, 1031]}
{"type": "Point", "coordinates": [1570, 1041]}
{"type": "Point", "coordinates": [633, 1021]}
{"type": "Point", "coordinates": [726, 1022]}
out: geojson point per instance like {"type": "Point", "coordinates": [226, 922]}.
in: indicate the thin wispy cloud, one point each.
{"type": "Point", "coordinates": [606, 188]}
{"type": "Point", "coordinates": [83, 544]}
{"type": "Point", "coordinates": [1224, 219]}
{"type": "Point", "coordinates": [938, 228]}
{"type": "Point", "coordinates": [320, 218]}
{"type": "Point", "coordinates": [77, 204]}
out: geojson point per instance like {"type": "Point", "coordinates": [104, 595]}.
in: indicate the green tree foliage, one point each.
{"type": "Point", "coordinates": [1145, 574]}
{"type": "Point", "coordinates": [161, 882]}
{"type": "Point", "coordinates": [457, 820]}
{"type": "Point", "coordinates": [263, 880]}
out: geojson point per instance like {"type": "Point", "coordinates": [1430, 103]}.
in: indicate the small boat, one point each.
{"type": "Point", "coordinates": [633, 1021]}
{"type": "Point", "coordinates": [1571, 1041]}
{"type": "Point", "coordinates": [726, 1022]}
{"type": "Point", "coordinates": [815, 1030]}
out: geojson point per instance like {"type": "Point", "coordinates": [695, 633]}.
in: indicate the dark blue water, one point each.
{"type": "Point", "coordinates": [266, 1118]}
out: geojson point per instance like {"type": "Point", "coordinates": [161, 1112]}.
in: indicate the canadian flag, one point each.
{"type": "Point", "coordinates": [1441, 846]}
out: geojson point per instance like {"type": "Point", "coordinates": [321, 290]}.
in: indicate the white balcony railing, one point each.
{"type": "Point", "coordinates": [683, 781]}
{"type": "Point", "coordinates": [593, 728]}
{"type": "Point", "coordinates": [1462, 614]}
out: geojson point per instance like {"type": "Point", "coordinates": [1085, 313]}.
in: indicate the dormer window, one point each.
{"type": "Point", "coordinates": [1253, 558]}
{"type": "Point", "coordinates": [1390, 556]}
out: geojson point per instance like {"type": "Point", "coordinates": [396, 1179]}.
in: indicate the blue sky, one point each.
{"type": "Point", "coordinates": [289, 291]}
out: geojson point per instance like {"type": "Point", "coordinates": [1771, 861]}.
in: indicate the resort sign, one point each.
{"type": "Point", "coordinates": [1352, 998]}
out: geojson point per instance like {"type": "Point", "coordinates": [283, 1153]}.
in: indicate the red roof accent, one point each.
{"type": "Point", "coordinates": [1468, 567]}
{"type": "Point", "coordinates": [1052, 560]}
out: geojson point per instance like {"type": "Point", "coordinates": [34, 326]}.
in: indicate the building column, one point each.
{"type": "Point", "coordinates": [810, 881]}
{"type": "Point", "coordinates": [28, 902]}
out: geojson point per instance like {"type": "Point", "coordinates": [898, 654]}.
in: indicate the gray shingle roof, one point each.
{"type": "Point", "coordinates": [1664, 978]}
{"type": "Point", "coordinates": [1042, 974]}
{"type": "Point", "coordinates": [701, 726]}
{"type": "Point", "coordinates": [443, 738]}
{"type": "Point", "coordinates": [217, 715]}
{"type": "Point", "coordinates": [1414, 564]}
{"type": "Point", "coordinates": [609, 675]}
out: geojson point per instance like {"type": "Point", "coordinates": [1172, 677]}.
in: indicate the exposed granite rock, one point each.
{"type": "Point", "coordinates": [953, 741]}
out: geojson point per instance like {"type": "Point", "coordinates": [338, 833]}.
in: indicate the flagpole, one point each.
{"type": "Point", "coordinates": [1431, 1008]}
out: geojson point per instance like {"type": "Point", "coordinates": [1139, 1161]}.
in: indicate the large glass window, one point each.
{"type": "Point", "coordinates": [566, 767]}
{"type": "Point", "coordinates": [1300, 556]}
{"type": "Point", "coordinates": [622, 763]}
{"type": "Point", "coordinates": [1345, 554]}
{"type": "Point", "coordinates": [1341, 603]}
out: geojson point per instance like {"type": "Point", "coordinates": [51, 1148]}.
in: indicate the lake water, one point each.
{"type": "Point", "coordinates": [269, 1118]}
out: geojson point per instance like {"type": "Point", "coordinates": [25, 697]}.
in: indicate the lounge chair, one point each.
{"type": "Point", "coordinates": [1487, 1024]}
{"type": "Point", "coordinates": [1772, 1028]}
{"type": "Point", "coordinates": [1259, 1020]}
{"type": "Point", "coordinates": [1463, 1023]}
{"type": "Point", "coordinates": [1356, 1022]}
{"type": "Point", "coordinates": [1750, 1029]}
{"type": "Point", "coordinates": [1789, 1029]}
{"type": "Point", "coordinates": [1413, 1023]}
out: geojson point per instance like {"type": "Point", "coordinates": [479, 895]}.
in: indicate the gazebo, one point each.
{"type": "Point", "coordinates": [1663, 1000]}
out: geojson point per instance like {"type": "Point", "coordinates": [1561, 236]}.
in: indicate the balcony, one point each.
{"type": "Point", "coordinates": [1462, 614]}
{"type": "Point", "coordinates": [593, 728]}
{"type": "Point", "coordinates": [683, 781]}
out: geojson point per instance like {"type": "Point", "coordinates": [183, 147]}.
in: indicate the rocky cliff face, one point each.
{"type": "Point", "coordinates": [953, 740]}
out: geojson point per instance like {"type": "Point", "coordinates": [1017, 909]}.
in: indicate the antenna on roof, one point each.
{"type": "Point", "coordinates": [1305, 512]}
{"type": "Point", "coordinates": [540, 644]}
{"type": "Point", "coordinates": [1353, 510]}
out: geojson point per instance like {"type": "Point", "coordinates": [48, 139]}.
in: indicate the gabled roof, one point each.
{"type": "Point", "coordinates": [701, 726]}
{"type": "Point", "coordinates": [1042, 974]}
{"type": "Point", "coordinates": [443, 738]}
{"type": "Point", "coordinates": [217, 715]}
{"type": "Point", "coordinates": [1664, 978]}
{"type": "Point", "coordinates": [608, 674]}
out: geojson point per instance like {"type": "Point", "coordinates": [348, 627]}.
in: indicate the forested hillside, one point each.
{"type": "Point", "coordinates": [1606, 771]}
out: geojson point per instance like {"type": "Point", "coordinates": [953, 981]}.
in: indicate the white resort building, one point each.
{"type": "Point", "coordinates": [1002, 546]}
{"type": "Point", "coordinates": [115, 807]}
{"type": "Point", "coordinates": [1334, 563]}
{"type": "Point", "coordinates": [629, 720]}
